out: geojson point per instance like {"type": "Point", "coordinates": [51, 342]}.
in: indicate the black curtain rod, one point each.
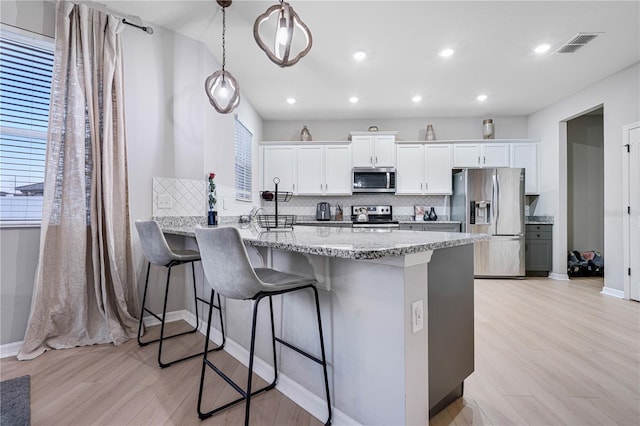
{"type": "Point", "coordinates": [146, 29]}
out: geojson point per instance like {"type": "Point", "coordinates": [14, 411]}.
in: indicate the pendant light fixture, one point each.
{"type": "Point", "coordinates": [286, 23]}
{"type": "Point", "coordinates": [221, 87]}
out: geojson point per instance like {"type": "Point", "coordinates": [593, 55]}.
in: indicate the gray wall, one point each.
{"type": "Point", "coordinates": [410, 129]}
{"type": "Point", "coordinates": [585, 180]}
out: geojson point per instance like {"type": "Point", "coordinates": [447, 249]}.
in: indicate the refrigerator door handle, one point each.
{"type": "Point", "coordinates": [494, 202]}
{"type": "Point", "coordinates": [497, 209]}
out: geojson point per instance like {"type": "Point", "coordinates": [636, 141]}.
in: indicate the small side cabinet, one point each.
{"type": "Point", "coordinates": [538, 250]}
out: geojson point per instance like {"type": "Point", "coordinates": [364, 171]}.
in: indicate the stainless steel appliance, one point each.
{"type": "Point", "coordinates": [323, 211]}
{"type": "Point", "coordinates": [374, 179]}
{"type": "Point", "coordinates": [373, 217]}
{"type": "Point", "coordinates": [491, 201]}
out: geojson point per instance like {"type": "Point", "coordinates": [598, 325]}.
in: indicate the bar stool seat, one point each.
{"type": "Point", "coordinates": [228, 271]}
{"type": "Point", "coordinates": [158, 252]}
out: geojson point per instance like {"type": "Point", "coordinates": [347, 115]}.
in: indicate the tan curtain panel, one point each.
{"type": "Point", "coordinates": [85, 287]}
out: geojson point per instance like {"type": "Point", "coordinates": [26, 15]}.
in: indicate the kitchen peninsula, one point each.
{"type": "Point", "coordinates": [397, 317]}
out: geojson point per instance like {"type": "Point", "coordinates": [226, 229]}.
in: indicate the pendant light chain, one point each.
{"type": "Point", "coordinates": [224, 30]}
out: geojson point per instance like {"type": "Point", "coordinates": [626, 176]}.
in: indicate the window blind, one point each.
{"type": "Point", "coordinates": [243, 162]}
{"type": "Point", "coordinates": [25, 87]}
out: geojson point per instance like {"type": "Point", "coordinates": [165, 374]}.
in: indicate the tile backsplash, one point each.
{"type": "Point", "coordinates": [188, 197]}
{"type": "Point", "coordinates": [402, 204]}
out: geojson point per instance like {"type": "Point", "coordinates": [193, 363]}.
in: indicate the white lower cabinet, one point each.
{"type": "Point", "coordinates": [423, 169]}
{"type": "Point", "coordinates": [324, 170]}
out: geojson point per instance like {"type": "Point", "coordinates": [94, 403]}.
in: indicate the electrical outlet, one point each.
{"type": "Point", "coordinates": [417, 316]}
{"type": "Point", "coordinates": [164, 201]}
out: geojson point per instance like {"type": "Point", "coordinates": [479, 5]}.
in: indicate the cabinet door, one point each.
{"type": "Point", "coordinates": [279, 161]}
{"type": "Point", "coordinates": [495, 155]}
{"type": "Point", "coordinates": [311, 170]}
{"type": "Point", "coordinates": [362, 151]}
{"type": "Point", "coordinates": [438, 169]}
{"type": "Point", "coordinates": [525, 155]}
{"type": "Point", "coordinates": [538, 255]}
{"type": "Point", "coordinates": [466, 155]}
{"type": "Point", "coordinates": [384, 150]}
{"type": "Point", "coordinates": [410, 169]}
{"type": "Point", "coordinates": [337, 169]}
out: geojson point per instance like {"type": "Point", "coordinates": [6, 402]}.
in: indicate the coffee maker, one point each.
{"type": "Point", "coordinates": [323, 211]}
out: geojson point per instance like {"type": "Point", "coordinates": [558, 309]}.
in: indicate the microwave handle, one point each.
{"type": "Point", "coordinates": [388, 180]}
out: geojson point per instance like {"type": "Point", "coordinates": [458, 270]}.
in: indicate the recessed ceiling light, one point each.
{"type": "Point", "coordinates": [291, 101]}
{"type": "Point", "coordinates": [482, 98]}
{"type": "Point", "coordinates": [353, 99]}
{"type": "Point", "coordinates": [542, 48]}
{"type": "Point", "coordinates": [446, 52]}
{"type": "Point", "coordinates": [359, 55]}
{"type": "Point", "coordinates": [416, 99]}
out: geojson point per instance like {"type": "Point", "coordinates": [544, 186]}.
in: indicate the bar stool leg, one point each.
{"type": "Point", "coordinates": [324, 358]}
{"type": "Point", "coordinates": [205, 361]}
{"type": "Point", "coordinates": [164, 314]}
{"type": "Point", "coordinates": [251, 353]}
{"type": "Point", "coordinates": [144, 301]}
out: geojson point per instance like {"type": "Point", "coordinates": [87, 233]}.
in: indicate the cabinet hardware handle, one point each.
{"type": "Point", "coordinates": [370, 160]}
{"type": "Point", "coordinates": [478, 159]}
{"type": "Point", "coordinates": [376, 159]}
{"type": "Point", "coordinates": [420, 186]}
{"type": "Point", "coordinates": [484, 160]}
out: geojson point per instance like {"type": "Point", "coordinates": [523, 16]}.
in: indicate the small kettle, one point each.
{"type": "Point", "coordinates": [362, 215]}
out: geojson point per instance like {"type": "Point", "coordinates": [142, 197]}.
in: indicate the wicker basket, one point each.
{"type": "Point", "coordinates": [271, 221]}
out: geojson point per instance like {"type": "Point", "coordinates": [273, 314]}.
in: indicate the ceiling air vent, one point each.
{"type": "Point", "coordinates": [578, 41]}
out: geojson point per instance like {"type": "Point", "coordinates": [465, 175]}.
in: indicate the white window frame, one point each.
{"type": "Point", "coordinates": [243, 185]}
{"type": "Point", "coordinates": [42, 42]}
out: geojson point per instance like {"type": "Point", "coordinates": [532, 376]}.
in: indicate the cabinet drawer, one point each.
{"type": "Point", "coordinates": [538, 235]}
{"type": "Point", "coordinates": [442, 227]}
{"type": "Point", "coordinates": [411, 226]}
{"type": "Point", "coordinates": [538, 228]}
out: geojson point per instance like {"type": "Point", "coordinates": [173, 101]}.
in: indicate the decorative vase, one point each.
{"type": "Point", "coordinates": [488, 130]}
{"type": "Point", "coordinates": [212, 218]}
{"type": "Point", "coordinates": [305, 135]}
{"type": "Point", "coordinates": [430, 135]}
{"type": "Point", "coordinates": [432, 214]}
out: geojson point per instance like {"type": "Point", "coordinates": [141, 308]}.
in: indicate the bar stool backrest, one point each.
{"type": "Point", "coordinates": [226, 263]}
{"type": "Point", "coordinates": [154, 245]}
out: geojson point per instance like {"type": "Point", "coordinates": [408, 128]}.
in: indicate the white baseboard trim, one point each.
{"type": "Point", "coordinates": [558, 277]}
{"type": "Point", "coordinates": [608, 291]}
{"type": "Point", "coordinates": [309, 401]}
{"type": "Point", "coordinates": [10, 349]}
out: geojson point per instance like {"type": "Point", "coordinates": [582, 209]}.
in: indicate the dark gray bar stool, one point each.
{"type": "Point", "coordinates": [157, 251]}
{"type": "Point", "coordinates": [228, 271]}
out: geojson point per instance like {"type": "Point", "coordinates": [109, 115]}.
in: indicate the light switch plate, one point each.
{"type": "Point", "coordinates": [164, 201]}
{"type": "Point", "coordinates": [417, 316]}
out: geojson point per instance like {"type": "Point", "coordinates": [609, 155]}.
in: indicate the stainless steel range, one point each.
{"type": "Point", "coordinates": [373, 217]}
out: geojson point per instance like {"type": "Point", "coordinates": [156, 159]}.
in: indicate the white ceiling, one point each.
{"type": "Point", "coordinates": [493, 42]}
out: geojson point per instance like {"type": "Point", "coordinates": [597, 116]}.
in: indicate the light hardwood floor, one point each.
{"type": "Point", "coordinates": [547, 353]}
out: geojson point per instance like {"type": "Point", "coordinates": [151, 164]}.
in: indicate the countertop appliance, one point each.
{"type": "Point", "coordinates": [323, 211]}
{"type": "Point", "coordinates": [376, 217]}
{"type": "Point", "coordinates": [374, 179]}
{"type": "Point", "coordinates": [491, 201]}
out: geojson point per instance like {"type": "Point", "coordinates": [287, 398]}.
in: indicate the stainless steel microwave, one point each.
{"type": "Point", "coordinates": [379, 179]}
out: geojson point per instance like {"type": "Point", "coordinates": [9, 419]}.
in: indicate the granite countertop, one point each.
{"type": "Point", "coordinates": [538, 220]}
{"type": "Point", "coordinates": [346, 243]}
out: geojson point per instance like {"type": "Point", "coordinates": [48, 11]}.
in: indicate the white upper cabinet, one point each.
{"type": "Point", "coordinates": [278, 161]}
{"type": "Point", "coordinates": [324, 169]}
{"type": "Point", "coordinates": [481, 155]}
{"type": "Point", "coordinates": [423, 169]}
{"type": "Point", "coordinates": [311, 167]}
{"type": "Point", "coordinates": [337, 169]}
{"type": "Point", "coordinates": [525, 155]}
{"type": "Point", "coordinates": [438, 165]}
{"type": "Point", "coordinates": [373, 150]}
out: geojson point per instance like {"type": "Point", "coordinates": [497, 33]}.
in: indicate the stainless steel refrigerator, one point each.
{"type": "Point", "coordinates": [491, 201]}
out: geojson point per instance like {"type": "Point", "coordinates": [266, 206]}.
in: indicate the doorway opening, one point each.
{"type": "Point", "coordinates": [585, 185]}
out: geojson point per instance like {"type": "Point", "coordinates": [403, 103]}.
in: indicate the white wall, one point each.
{"type": "Point", "coordinates": [172, 131]}
{"type": "Point", "coordinates": [619, 94]}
